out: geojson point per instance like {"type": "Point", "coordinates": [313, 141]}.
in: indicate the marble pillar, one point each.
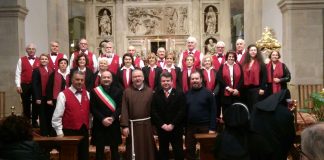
{"type": "Point", "coordinates": [12, 38]}
{"type": "Point", "coordinates": [57, 23]}
{"type": "Point", "coordinates": [120, 29]}
{"type": "Point", "coordinates": [195, 29]}
{"type": "Point", "coordinates": [225, 23]}
{"type": "Point", "coordinates": [303, 39]}
{"type": "Point", "coordinates": [252, 21]}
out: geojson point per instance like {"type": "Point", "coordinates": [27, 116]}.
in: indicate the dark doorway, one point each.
{"type": "Point", "coordinates": [156, 45]}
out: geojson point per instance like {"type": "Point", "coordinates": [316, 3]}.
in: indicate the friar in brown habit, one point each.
{"type": "Point", "coordinates": [136, 121]}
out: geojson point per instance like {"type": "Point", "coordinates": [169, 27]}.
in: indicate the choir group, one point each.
{"type": "Point", "coordinates": [229, 76]}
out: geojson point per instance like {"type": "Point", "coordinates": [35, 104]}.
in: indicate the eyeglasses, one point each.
{"type": "Point", "coordinates": [219, 47]}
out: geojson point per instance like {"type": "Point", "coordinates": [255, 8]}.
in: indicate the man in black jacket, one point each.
{"type": "Point", "coordinates": [105, 102]}
{"type": "Point", "coordinates": [168, 112]}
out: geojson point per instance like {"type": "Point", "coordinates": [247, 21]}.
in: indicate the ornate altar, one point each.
{"type": "Point", "coordinates": [267, 43]}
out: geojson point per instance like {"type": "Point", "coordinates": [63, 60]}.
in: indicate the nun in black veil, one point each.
{"type": "Point", "coordinates": [237, 141]}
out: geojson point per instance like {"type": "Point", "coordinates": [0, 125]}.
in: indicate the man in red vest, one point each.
{"type": "Point", "coordinates": [71, 115]}
{"type": "Point", "coordinates": [25, 66]}
{"type": "Point", "coordinates": [219, 57]}
{"type": "Point", "coordinates": [83, 45]}
{"type": "Point", "coordinates": [191, 45]}
{"type": "Point", "coordinates": [55, 55]}
{"type": "Point", "coordinates": [138, 62]}
{"type": "Point", "coordinates": [161, 57]}
{"type": "Point", "coordinates": [114, 60]}
{"type": "Point", "coordinates": [240, 50]}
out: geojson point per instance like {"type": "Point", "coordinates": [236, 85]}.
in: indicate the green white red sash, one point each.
{"type": "Point", "coordinates": [110, 103]}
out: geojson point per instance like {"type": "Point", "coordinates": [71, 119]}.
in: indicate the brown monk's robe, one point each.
{"type": "Point", "coordinates": [136, 104]}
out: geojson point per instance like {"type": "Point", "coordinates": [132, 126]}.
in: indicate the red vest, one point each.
{"type": "Point", "coordinates": [216, 63]}
{"type": "Point", "coordinates": [90, 64]}
{"type": "Point", "coordinates": [54, 65]}
{"type": "Point", "coordinates": [27, 69]}
{"type": "Point", "coordinates": [197, 59]}
{"type": "Point", "coordinates": [137, 62]}
{"type": "Point", "coordinates": [75, 114]}
{"type": "Point", "coordinates": [113, 67]}
{"type": "Point", "coordinates": [44, 75]}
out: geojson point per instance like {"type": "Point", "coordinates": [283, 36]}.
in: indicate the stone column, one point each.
{"type": "Point", "coordinates": [120, 28]}
{"type": "Point", "coordinates": [58, 27]}
{"type": "Point", "coordinates": [12, 33]}
{"type": "Point", "coordinates": [91, 26]}
{"type": "Point", "coordinates": [195, 28]}
{"type": "Point", "coordinates": [252, 21]}
{"type": "Point", "coordinates": [303, 39]}
{"type": "Point", "coordinates": [225, 23]}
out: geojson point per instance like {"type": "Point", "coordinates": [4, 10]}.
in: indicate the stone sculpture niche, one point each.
{"type": "Point", "coordinates": [210, 46]}
{"type": "Point", "coordinates": [210, 20]}
{"type": "Point", "coordinates": [104, 22]}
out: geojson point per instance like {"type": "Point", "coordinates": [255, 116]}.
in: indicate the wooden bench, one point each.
{"type": "Point", "coordinates": [67, 145]}
{"type": "Point", "coordinates": [206, 142]}
{"type": "Point", "coordinates": [304, 92]}
{"type": "Point", "coordinates": [304, 105]}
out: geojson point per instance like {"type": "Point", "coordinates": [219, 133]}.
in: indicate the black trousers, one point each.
{"type": "Point", "coordinates": [83, 147]}
{"type": "Point", "coordinates": [175, 138]}
{"type": "Point", "coordinates": [26, 97]}
{"type": "Point", "coordinates": [45, 118]}
{"type": "Point", "coordinates": [251, 96]}
{"type": "Point", "coordinates": [100, 148]}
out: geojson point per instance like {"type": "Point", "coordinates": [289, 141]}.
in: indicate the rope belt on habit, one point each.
{"type": "Point", "coordinates": [132, 133]}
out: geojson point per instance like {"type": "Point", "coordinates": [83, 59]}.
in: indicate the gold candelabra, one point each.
{"type": "Point", "coordinates": [268, 40]}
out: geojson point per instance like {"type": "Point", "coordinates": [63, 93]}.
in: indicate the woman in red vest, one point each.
{"type": "Point", "coordinates": [124, 73]}
{"type": "Point", "coordinates": [152, 72]}
{"type": "Point", "coordinates": [174, 70]}
{"type": "Point", "coordinates": [209, 73]}
{"type": "Point", "coordinates": [186, 72]}
{"type": "Point", "coordinates": [39, 81]}
{"type": "Point", "coordinates": [103, 66]}
{"type": "Point", "coordinates": [57, 82]}
{"type": "Point", "coordinates": [82, 63]}
{"type": "Point", "coordinates": [277, 74]}
{"type": "Point", "coordinates": [230, 79]}
{"type": "Point", "coordinates": [255, 76]}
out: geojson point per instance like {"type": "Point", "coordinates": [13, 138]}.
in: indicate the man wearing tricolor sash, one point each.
{"type": "Point", "coordinates": [105, 101]}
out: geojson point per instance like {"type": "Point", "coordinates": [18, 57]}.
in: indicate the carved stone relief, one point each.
{"type": "Point", "coordinates": [104, 22]}
{"type": "Point", "coordinates": [210, 20]}
{"type": "Point", "coordinates": [157, 20]}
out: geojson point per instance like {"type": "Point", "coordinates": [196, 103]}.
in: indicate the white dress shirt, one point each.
{"type": "Point", "coordinates": [59, 110]}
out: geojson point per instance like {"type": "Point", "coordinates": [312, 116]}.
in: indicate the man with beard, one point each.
{"type": "Point", "coordinates": [114, 60]}
{"type": "Point", "coordinates": [106, 102]}
{"type": "Point", "coordinates": [201, 113]}
{"type": "Point", "coordinates": [135, 119]}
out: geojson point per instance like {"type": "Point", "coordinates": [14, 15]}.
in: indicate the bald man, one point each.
{"type": "Point", "coordinates": [83, 45]}
{"type": "Point", "coordinates": [137, 59]}
{"type": "Point", "coordinates": [240, 50]}
{"type": "Point", "coordinates": [25, 66]}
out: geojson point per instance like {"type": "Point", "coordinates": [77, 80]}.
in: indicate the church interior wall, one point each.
{"type": "Point", "coordinates": [36, 30]}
